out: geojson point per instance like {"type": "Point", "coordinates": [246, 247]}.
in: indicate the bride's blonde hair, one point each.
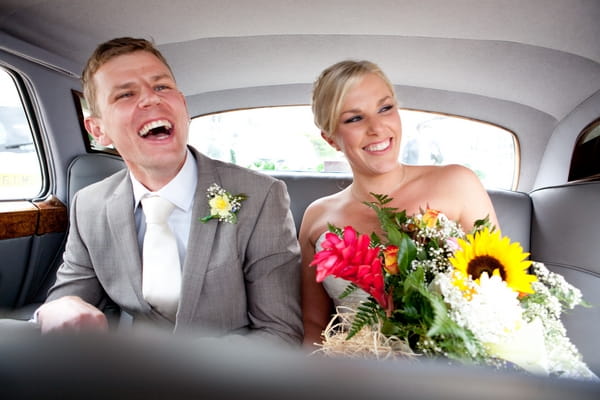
{"type": "Point", "coordinates": [330, 89]}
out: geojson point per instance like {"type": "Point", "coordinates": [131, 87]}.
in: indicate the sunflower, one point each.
{"type": "Point", "coordinates": [489, 252]}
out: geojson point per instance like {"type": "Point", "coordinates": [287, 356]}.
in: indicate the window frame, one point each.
{"type": "Point", "coordinates": [33, 123]}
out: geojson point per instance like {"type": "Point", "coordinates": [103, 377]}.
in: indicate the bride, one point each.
{"type": "Point", "coordinates": [355, 106]}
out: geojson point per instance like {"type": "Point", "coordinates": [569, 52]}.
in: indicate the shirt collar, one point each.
{"type": "Point", "coordinates": [179, 191]}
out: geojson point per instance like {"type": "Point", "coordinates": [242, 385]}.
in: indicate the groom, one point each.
{"type": "Point", "coordinates": [236, 278]}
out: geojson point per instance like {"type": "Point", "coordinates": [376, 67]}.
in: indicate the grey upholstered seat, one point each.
{"type": "Point", "coordinates": [513, 208]}
{"type": "Point", "coordinates": [565, 235]}
{"type": "Point", "coordinates": [89, 168]}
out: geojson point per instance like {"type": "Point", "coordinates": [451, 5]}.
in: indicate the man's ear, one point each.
{"type": "Point", "coordinates": [94, 127]}
{"type": "Point", "coordinates": [329, 140]}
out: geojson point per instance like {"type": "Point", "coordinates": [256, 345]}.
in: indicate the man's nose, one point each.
{"type": "Point", "coordinates": [149, 97]}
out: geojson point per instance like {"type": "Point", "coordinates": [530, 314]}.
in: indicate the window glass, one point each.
{"type": "Point", "coordinates": [584, 163]}
{"type": "Point", "coordinates": [285, 138]}
{"type": "Point", "coordinates": [83, 112]}
{"type": "Point", "coordinates": [20, 171]}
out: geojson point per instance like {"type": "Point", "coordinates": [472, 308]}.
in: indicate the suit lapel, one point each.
{"type": "Point", "coordinates": [127, 263]}
{"type": "Point", "coordinates": [200, 243]}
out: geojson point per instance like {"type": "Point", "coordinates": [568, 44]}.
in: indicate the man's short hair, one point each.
{"type": "Point", "coordinates": [105, 52]}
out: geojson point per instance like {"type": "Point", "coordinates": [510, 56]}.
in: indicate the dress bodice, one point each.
{"type": "Point", "coordinates": [336, 286]}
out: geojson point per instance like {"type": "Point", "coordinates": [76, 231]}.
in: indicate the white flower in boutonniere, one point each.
{"type": "Point", "coordinates": [224, 206]}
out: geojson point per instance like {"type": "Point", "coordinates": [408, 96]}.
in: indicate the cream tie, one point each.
{"type": "Point", "coordinates": [161, 278]}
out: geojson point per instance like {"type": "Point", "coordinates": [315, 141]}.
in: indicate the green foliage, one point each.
{"type": "Point", "coordinates": [263, 165]}
{"type": "Point", "coordinates": [349, 289]}
{"type": "Point", "coordinates": [368, 313]}
{"type": "Point", "coordinates": [392, 221]}
{"type": "Point", "coordinates": [418, 313]}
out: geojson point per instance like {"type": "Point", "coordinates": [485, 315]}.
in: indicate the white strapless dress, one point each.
{"type": "Point", "coordinates": [336, 286]}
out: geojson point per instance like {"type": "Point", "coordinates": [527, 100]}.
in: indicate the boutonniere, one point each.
{"type": "Point", "coordinates": [224, 206]}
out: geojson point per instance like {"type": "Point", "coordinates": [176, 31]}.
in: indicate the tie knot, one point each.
{"type": "Point", "coordinates": [156, 209]}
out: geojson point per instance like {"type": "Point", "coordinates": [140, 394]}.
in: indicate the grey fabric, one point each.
{"type": "Point", "coordinates": [256, 295]}
{"type": "Point", "coordinates": [513, 210]}
{"type": "Point", "coordinates": [304, 188]}
{"type": "Point", "coordinates": [565, 235]}
{"type": "Point", "coordinates": [86, 169]}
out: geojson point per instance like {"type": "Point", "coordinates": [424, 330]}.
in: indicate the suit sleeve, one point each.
{"type": "Point", "coordinates": [76, 276]}
{"type": "Point", "coordinates": [272, 270]}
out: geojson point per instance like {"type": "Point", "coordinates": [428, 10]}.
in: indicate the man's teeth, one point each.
{"type": "Point", "coordinates": [378, 146]}
{"type": "Point", "coordinates": [153, 125]}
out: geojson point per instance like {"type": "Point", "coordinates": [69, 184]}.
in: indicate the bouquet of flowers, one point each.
{"type": "Point", "coordinates": [435, 291]}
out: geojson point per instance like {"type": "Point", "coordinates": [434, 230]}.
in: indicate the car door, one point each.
{"type": "Point", "coordinates": [33, 221]}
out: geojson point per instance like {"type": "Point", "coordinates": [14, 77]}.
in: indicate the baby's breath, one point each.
{"type": "Point", "coordinates": [223, 205]}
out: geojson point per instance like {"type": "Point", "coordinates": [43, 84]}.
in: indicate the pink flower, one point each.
{"type": "Point", "coordinates": [351, 259]}
{"type": "Point", "coordinates": [452, 244]}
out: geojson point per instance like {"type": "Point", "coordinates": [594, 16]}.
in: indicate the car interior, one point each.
{"type": "Point", "coordinates": [532, 68]}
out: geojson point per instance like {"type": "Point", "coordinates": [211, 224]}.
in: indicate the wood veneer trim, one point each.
{"type": "Point", "coordinates": [24, 218]}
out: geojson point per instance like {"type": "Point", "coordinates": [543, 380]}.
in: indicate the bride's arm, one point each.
{"type": "Point", "coordinates": [316, 303]}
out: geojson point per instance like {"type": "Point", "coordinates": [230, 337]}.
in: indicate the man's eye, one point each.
{"type": "Point", "coordinates": [123, 95]}
{"type": "Point", "coordinates": [160, 88]}
{"type": "Point", "coordinates": [356, 118]}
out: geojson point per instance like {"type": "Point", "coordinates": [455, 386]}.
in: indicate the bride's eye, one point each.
{"type": "Point", "coordinates": [355, 118]}
{"type": "Point", "coordinates": [386, 108]}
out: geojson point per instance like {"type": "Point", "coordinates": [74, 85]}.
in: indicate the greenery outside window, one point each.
{"type": "Point", "coordinates": [286, 139]}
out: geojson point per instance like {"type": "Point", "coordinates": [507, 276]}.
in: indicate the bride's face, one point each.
{"type": "Point", "coordinates": [369, 128]}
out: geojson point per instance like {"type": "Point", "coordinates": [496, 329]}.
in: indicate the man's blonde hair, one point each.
{"type": "Point", "coordinates": [330, 89]}
{"type": "Point", "coordinates": [104, 53]}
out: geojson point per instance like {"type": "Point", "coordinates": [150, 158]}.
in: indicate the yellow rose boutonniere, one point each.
{"type": "Point", "coordinates": [224, 206]}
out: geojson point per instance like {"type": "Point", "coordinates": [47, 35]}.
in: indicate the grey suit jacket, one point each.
{"type": "Point", "coordinates": [239, 278]}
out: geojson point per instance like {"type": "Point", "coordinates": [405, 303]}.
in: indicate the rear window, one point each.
{"type": "Point", "coordinates": [286, 139]}
{"type": "Point", "coordinates": [585, 163]}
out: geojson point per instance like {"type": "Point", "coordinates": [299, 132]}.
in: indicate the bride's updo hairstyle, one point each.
{"type": "Point", "coordinates": [330, 89]}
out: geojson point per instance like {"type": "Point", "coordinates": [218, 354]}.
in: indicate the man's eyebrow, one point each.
{"type": "Point", "coordinates": [158, 77]}
{"type": "Point", "coordinates": [154, 78]}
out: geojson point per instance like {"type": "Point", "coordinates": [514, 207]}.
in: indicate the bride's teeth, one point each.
{"type": "Point", "coordinates": [378, 146]}
{"type": "Point", "coordinates": [153, 125]}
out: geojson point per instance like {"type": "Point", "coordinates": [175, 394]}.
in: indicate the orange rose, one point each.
{"type": "Point", "coordinates": [390, 255]}
{"type": "Point", "coordinates": [430, 217]}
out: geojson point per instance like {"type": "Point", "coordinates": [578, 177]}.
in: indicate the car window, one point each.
{"type": "Point", "coordinates": [286, 139]}
{"type": "Point", "coordinates": [584, 162]}
{"type": "Point", "coordinates": [20, 171]}
{"type": "Point", "coordinates": [83, 111]}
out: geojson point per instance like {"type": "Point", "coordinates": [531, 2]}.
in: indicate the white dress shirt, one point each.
{"type": "Point", "coordinates": [179, 191]}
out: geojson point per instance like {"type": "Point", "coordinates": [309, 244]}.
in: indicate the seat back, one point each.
{"type": "Point", "coordinates": [512, 208]}
{"type": "Point", "coordinates": [565, 235]}
{"type": "Point", "coordinates": [86, 169]}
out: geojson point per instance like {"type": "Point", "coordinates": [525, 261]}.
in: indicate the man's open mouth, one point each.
{"type": "Point", "coordinates": [156, 128]}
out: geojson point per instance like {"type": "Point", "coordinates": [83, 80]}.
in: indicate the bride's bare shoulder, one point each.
{"type": "Point", "coordinates": [450, 174]}
{"type": "Point", "coordinates": [320, 212]}
{"type": "Point", "coordinates": [324, 203]}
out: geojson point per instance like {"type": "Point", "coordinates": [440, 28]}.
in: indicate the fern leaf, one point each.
{"type": "Point", "coordinates": [367, 313]}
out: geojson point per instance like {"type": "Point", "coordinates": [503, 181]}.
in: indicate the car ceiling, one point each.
{"type": "Point", "coordinates": [540, 54]}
